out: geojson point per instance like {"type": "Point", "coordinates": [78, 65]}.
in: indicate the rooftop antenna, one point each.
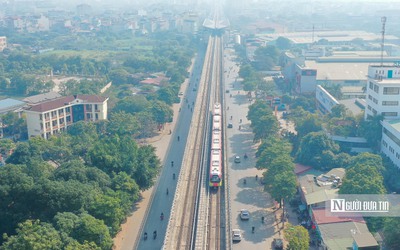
{"type": "Point", "coordinates": [383, 20]}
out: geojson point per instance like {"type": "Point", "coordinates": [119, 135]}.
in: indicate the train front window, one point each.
{"type": "Point", "coordinates": [215, 178]}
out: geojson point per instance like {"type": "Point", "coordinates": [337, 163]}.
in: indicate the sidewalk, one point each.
{"type": "Point", "coordinates": [125, 239]}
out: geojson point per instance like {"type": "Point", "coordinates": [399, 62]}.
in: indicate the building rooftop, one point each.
{"type": "Point", "coordinates": [35, 99]}
{"type": "Point", "coordinates": [394, 81]}
{"type": "Point", "coordinates": [351, 105]}
{"type": "Point", "coordinates": [320, 216]}
{"type": "Point", "coordinates": [321, 188]}
{"type": "Point", "coordinates": [340, 235]}
{"type": "Point", "coordinates": [335, 71]}
{"type": "Point", "coordinates": [365, 240]}
{"type": "Point", "coordinates": [330, 35]}
{"type": "Point", "coordinates": [394, 124]}
{"type": "Point", "coordinates": [9, 104]}
{"type": "Point", "coordinates": [66, 100]}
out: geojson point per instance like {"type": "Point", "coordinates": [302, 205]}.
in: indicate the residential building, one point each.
{"type": "Point", "coordinates": [54, 116]}
{"type": "Point", "coordinates": [3, 43]}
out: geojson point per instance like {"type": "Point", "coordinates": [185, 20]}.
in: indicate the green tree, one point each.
{"type": "Point", "coordinates": [271, 149]}
{"type": "Point", "coordinates": [297, 236]}
{"type": "Point", "coordinates": [34, 235]}
{"type": "Point", "coordinates": [132, 104]}
{"type": "Point", "coordinates": [283, 43]}
{"type": "Point", "coordinates": [362, 179]}
{"type": "Point", "coordinates": [312, 148]}
{"type": "Point", "coordinates": [168, 95]}
{"type": "Point", "coordinates": [246, 71]}
{"type": "Point", "coordinates": [391, 232]}
{"type": "Point", "coordinates": [94, 230]}
{"type": "Point", "coordinates": [371, 129]}
{"type": "Point", "coordinates": [161, 111]}
{"type": "Point", "coordinates": [284, 186]}
{"type": "Point", "coordinates": [265, 126]}
{"type": "Point", "coordinates": [266, 57]}
{"type": "Point", "coordinates": [122, 124]}
{"type": "Point", "coordinates": [339, 111]}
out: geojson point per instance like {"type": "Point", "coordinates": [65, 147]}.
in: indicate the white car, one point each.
{"type": "Point", "coordinates": [237, 159]}
{"type": "Point", "coordinates": [236, 235]}
{"type": "Point", "coordinates": [244, 214]}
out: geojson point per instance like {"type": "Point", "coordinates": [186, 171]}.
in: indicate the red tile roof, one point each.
{"type": "Point", "coordinates": [65, 100]}
{"type": "Point", "coordinates": [321, 217]}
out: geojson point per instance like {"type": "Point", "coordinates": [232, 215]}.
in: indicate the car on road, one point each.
{"type": "Point", "coordinates": [244, 214]}
{"type": "Point", "coordinates": [236, 235]}
{"type": "Point", "coordinates": [237, 159]}
{"type": "Point", "coordinates": [230, 125]}
{"type": "Point", "coordinates": [180, 94]}
{"type": "Point", "coordinates": [277, 243]}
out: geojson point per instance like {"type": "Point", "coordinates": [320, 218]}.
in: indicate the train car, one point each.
{"type": "Point", "coordinates": [216, 148]}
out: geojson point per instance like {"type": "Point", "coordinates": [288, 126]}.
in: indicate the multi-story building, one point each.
{"type": "Point", "coordinates": [54, 116]}
{"type": "Point", "coordinates": [383, 91]}
{"type": "Point", "coordinates": [383, 98]}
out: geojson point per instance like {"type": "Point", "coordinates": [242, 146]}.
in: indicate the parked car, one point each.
{"type": "Point", "coordinates": [244, 214]}
{"type": "Point", "coordinates": [237, 159]}
{"type": "Point", "coordinates": [277, 243]}
{"type": "Point", "coordinates": [230, 125]}
{"type": "Point", "coordinates": [236, 235]}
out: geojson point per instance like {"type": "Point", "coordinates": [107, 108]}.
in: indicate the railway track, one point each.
{"type": "Point", "coordinates": [215, 196]}
{"type": "Point", "coordinates": [180, 231]}
{"type": "Point", "coordinates": [195, 216]}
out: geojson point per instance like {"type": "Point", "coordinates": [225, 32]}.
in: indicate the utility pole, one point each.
{"type": "Point", "coordinates": [383, 20]}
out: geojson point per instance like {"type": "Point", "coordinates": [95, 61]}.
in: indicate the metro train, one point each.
{"type": "Point", "coordinates": [216, 148]}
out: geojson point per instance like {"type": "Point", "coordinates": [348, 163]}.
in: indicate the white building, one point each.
{"type": "Point", "coordinates": [391, 140]}
{"type": "Point", "coordinates": [3, 43]}
{"type": "Point", "coordinates": [383, 98]}
{"type": "Point", "coordinates": [54, 116]}
{"type": "Point", "coordinates": [383, 91]}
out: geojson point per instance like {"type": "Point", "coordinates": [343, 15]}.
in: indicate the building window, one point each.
{"type": "Point", "coordinates": [384, 143]}
{"type": "Point", "coordinates": [390, 103]}
{"type": "Point", "coordinates": [40, 117]}
{"type": "Point", "coordinates": [97, 116]}
{"type": "Point", "coordinates": [391, 90]}
{"type": "Point", "coordinates": [375, 101]}
{"type": "Point", "coordinates": [88, 116]}
{"type": "Point", "coordinates": [369, 107]}
{"type": "Point", "coordinates": [371, 85]}
{"type": "Point", "coordinates": [61, 121]}
{"type": "Point", "coordinates": [96, 107]}
{"type": "Point", "coordinates": [391, 136]}
{"type": "Point", "coordinates": [68, 109]}
{"type": "Point", "coordinates": [60, 111]}
{"type": "Point", "coordinates": [374, 111]}
{"type": "Point", "coordinates": [389, 113]}
{"type": "Point", "coordinates": [376, 88]}
{"type": "Point", "coordinates": [68, 119]}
